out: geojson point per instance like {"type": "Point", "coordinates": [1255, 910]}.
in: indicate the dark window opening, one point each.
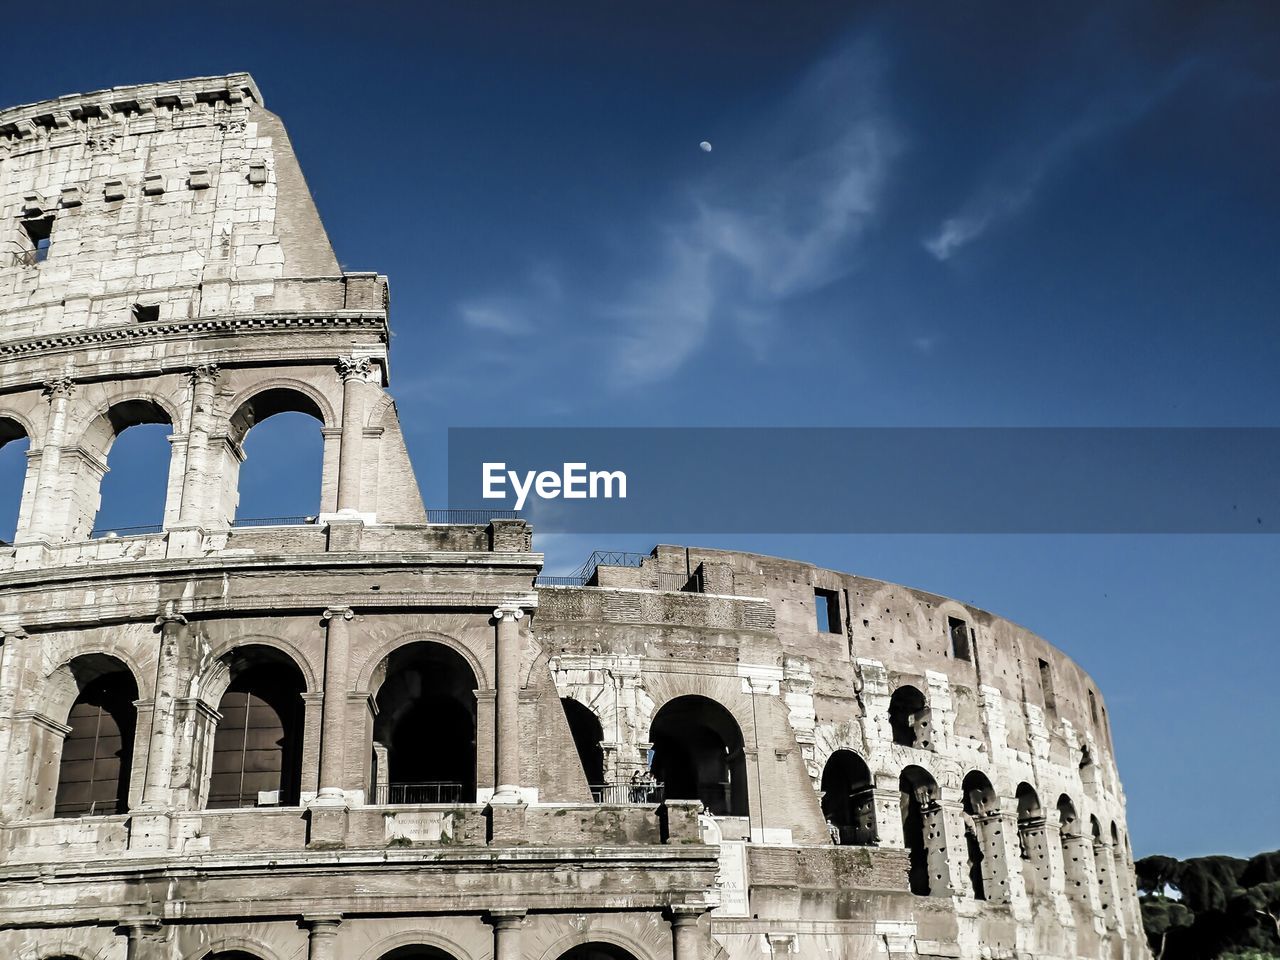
{"type": "Point", "coordinates": [848, 800]}
{"type": "Point", "coordinates": [1046, 684]}
{"type": "Point", "coordinates": [39, 233]}
{"type": "Point", "coordinates": [909, 718]}
{"type": "Point", "coordinates": [698, 755]}
{"type": "Point", "coordinates": [93, 777]}
{"type": "Point", "coordinates": [586, 732]}
{"type": "Point", "coordinates": [959, 631]}
{"type": "Point", "coordinates": [146, 312]}
{"type": "Point", "coordinates": [1093, 707]}
{"type": "Point", "coordinates": [827, 605]}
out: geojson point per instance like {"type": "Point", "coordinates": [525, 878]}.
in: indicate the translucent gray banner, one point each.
{"type": "Point", "coordinates": [873, 480]}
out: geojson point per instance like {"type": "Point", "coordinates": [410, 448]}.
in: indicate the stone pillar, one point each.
{"type": "Point", "coordinates": [195, 494]}
{"type": "Point", "coordinates": [333, 717]}
{"type": "Point", "coordinates": [507, 926]}
{"type": "Point", "coordinates": [44, 513]}
{"type": "Point", "coordinates": [144, 938]}
{"type": "Point", "coordinates": [11, 636]}
{"type": "Point", "coordinates": [888, 800]}
{"type": "Point", "coordinates": [947, 845]}
{"type": "Point", "coordinates": [507, 739]}
{"type": "Point", "coordinates": [160, 750]}
{"type": "Point", "coordinates": [1108, 892]}
{"type": "Point", "coordinates": [354, 372]}
{"type": "Point", "coordinates": [684, 931]}
{"type": "Point", "coordinates": [322, 941]}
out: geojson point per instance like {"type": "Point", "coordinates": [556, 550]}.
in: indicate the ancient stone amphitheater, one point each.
{"type": "Point", "coordinates": [374, 734]}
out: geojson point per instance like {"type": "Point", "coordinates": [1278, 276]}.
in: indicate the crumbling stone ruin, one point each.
{"type": "Point", "coordinates": [374, 734]}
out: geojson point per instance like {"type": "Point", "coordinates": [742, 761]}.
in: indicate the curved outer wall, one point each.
{"type": "Point", "coordinates": [161, 261]}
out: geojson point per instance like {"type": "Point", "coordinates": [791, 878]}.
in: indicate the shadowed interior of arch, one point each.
{"type": "Point", "coordinates": [698, 755]}
{"type": "Point", "coordinates": [424, 738]}
{"type": "Point", "coordinates": [93, 770]}
{"type": "Point", "coordinates": [417, 952]}
{"type": "Point", "coordinates": [279, 431]}
{"type": "Point", "coordinates": [587, 735]}
{"type": "Point", "coordinates": [14, 446]}
{"type": "Point", "coordinates": [918, 793]}
{"type": "Point", "coordinates": [257, 747]}
{"type": "Point", "coordinates": [848, 799]}
{"type": "Point", "coordinates": [597, 951]}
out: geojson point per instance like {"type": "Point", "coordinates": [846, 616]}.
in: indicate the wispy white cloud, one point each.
{"type": "Point", "coordinates": [495, 316]}
{"type": "Point", "coordinates": [754, 235]}
{"type": "Point", "coordinates": [1016, 179]}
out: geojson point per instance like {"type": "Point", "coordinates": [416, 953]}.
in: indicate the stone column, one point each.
{"type": "Point", "coordinates": [11, 634]}
{"type": "Point", "coordinates": [44, 510]}
{"type": "Point", "coordinates": [333, 716]}
{"type": "Point", "coordinates": [684, 931]}
{"type": "Point", "coordinates": [322, 943]}
{"type": "Point", "coordinates": [507, 748]}
{"type": "Point", "coordinates": [888, 801]}
{"type": "Point", "coordinates": [507, 925]}
{"type": "Point", "coordinates": [354, 372]}
{"type": "Point", "coordinates": [144, 938]}
{"type": "Point", "coordinates": [160, 750]}
{"type": "Point", "coordinates": [204, 386]}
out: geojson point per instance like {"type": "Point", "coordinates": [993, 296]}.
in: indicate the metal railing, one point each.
{"type": "Point", "coordinates": [482, 516]}
{"type": "Point", "coordinates": [136, 531]}
{"type": "Point", "coordinates": [435, 791]}
{"type": "Point", "coordinates": [627, 793]}
{"type": "Point", "coordinates": [272, 521]}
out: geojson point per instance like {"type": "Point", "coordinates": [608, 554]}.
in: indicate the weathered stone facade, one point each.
{"type": "Point", "coordinates": [372, 735]}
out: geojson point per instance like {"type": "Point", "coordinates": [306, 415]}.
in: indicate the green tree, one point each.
{"type": "Point", "coordinates": [1262, 901]}
{"type": "Point", "coordinates": [1155, 873]}
{"type": "Point", "coordinates": [1160, 917]}
{"type": "Point", "coordinates": [1209, 883]}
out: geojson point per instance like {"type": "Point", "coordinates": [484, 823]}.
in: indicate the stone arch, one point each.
{"type": "Point", "coordinates": [281, 390]}
{"type": "Point", "coordinates": [93, 696]}
{"type": "Point", "coordinates": [373, 673]}
{"type": "Point", "coordinates": [1032, 843]}
{"type": "Point", "coordinates": [425, 686]}
{"type": "Point", "coordinates": [110, 419]}
{"type": "Point", "coordinates": [630, 948]}
{"type": "Point", "coordinates": [848, 799]}
{"type": "Point", "coordinates": [234, 948]}
{"type": "Point", "coordinates": [985, 855]}
{"type": "Point", "coordinates": [416, 938]}
{"type": "Point", "coordinates": [208, 683]}
{"type": "Point", "coordinates": [1073, 842]}
{"type": "Point", "coordinates": [699, 754]}
{"type": "Point", "coordinates": [15, 429]}
{"type": "Point", "coordinates": [15, 426]}
{"type": "Point", "coordinates": [923, 832]}
{"type": "Point", "coordinates": [910, 718]}
{"type": "Point", "coordinates": [62, 949]}
{"type": "Point", "coordinates": [378, 410]}
{"type": "Point", "coordinates": [257, 740]}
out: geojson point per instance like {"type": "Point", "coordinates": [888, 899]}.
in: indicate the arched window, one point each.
{"type": "Point", "coordinates": [587, 734]}
{"type": "Point", "coordinates": [1031, 840]}
{"type": "Point", "coordinates": [698, 755]}
{"type": "Point", "coordinates": [922, 832]}
{"type": "Point", "coordinates": [988, 876]}
{"type": "Point", "coordinates": [290, 444]}
{"type": "Point", "coordinates": [1102, 871]}
{"type": "Point", "coordinates": [257, 748]}
{"type": "Point", "coordinates": [597, 951]}
{"type": "Point", "coordinates": [14, 446]}
{"type": "Point", "coordinates": [132, 439]}
{"type": "Point", "coordinates": [233, 955]}
{"type": "Point", "coordinates": [97, 752]}
{"type": "Point", "coordinates": [425, 732]}
{"type": "Point", "coordinates": [909, 718]}
{"type": "Point", "coordinates": [848, 799]}
{"type": "Point", "coordinates": [417, 952]}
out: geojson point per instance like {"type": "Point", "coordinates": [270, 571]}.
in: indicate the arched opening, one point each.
{"type": "Point", "coordinates": [14, 446]}
{"type": "Point", "coordinates": [698, 755]}
{"type": "Point", "coordinates": [278, 432]}
{"type": "Point", "coordinates": [417, 952]}
{"type": "Point", "coordinates": [922, 832]}
{"type": "Point", "coordinates": [981, 830]}
{"type": "Point", "coordinates": [425, 732]}
{"type": "Point", "coordinates": [1102, 870]}
{"type": "Point", "coordinates": [597, 951]}
{"type": "Point", "coordinates": [131, 443]}
{"type": "Point", "coordinates": [257, 747]}
{"type": "Point", "coordinates": [587, 734]}
{"type": "Point", "coordinates": [233, 955]}
{"type": "Point", "coordinates": [1072, 842]}
{"type": "Point", "coordinates": [1031, 840]}
{"type": "Point", "coordinates": [848, 799]}
{"type": "Point", "coordinates": [909, 718]}
{"type": "Point", "coordinates": [97, 752]}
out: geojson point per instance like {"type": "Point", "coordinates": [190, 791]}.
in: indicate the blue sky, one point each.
{"type": "Point", "coordinates": [913, 214]}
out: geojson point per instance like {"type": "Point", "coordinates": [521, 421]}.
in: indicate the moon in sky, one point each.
{"type": "Point", "coordinates": [705, 145]}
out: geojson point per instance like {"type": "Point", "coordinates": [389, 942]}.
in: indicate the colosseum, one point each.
{"type": "Point", "coordinates": [377, 733]}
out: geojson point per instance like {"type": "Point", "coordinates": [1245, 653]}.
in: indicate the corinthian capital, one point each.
{"type": "Point", "coordinates": [354, 368]}
{"type": "Point", "coordinates": [205, 373]}
{"type": "Point", "coordinates": [59, 388]}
